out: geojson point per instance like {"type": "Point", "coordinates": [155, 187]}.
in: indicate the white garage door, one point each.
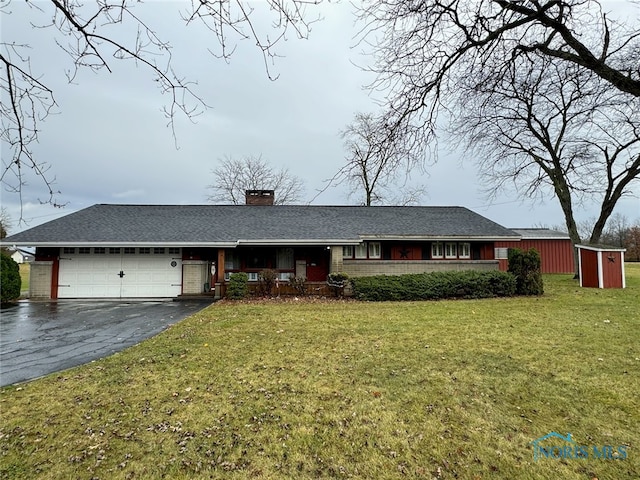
{"type": "Point", "coordinates": [120, 273]}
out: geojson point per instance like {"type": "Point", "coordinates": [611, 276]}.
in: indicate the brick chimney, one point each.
{"type": "Point", "coordinates": [259, 197]}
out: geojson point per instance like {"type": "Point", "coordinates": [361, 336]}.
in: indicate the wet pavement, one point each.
{"type": "Point", "coordinates": [38, 338]}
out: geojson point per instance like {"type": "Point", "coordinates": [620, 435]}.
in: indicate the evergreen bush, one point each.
{"type": "Point", "coordinates": [238, 287]}
{"type": "Point", "coordinates": [525, 267]}
{"type": "Point", "coordinates": [10, 281]}
{"type": "Point", "coordinates": [337, 281]}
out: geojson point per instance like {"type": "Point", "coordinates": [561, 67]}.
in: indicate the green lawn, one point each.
{"type": "Point", "coordinates": [25, 275]}
{"type": "Point", "coordinates": [309, 389]}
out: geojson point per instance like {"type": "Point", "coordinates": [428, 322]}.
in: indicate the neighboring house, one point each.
{"type": "Point", "coordinates": [555, 248]}
{"type": "Point", "coordinates": [21, 256]}
{"type": "Point", "coordinates": [141, 251]}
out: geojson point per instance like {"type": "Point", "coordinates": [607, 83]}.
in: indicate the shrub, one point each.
{"type": "Point", "coordinates": [525, 267]}
{"type": "Point", "coordinates": [266, 281]}
{"type": "Point", "coordinates": [238, 287]}
{"type": "Point", "coordinates": [10, 281]}
{"type": "Point", "coordinates": [435, 286]}
{"type": "Point", "coordinates": [299, 285]}
{"type": "Point", "coordinates": [337, 281]}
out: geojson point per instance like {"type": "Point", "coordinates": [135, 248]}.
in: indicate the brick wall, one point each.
{"type": "Point", "coordinates": [194, 276]}
{"type": "Point", "coordinates": [40, 280]}
{"type": "Point", "coordinates": [364, 268]}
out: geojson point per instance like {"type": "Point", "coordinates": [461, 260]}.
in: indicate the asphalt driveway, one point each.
{"type": "Point", "coordinates": [38, 338]}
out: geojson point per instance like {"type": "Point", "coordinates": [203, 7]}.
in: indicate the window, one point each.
{"type": "Point", "coordinates": [144, 251]}
{"type": "Point", "coordinates": [174, 251]}
{"type": "Point", "coordinates": [464, 250]}
{"type": "Point", "coordinates": [253, 276]}
{"type": "Point", "coordinates": [99, 251]}
{"type": "Point", "coordinates": [361, 250]}
{"type": "Point", "coordinates": [285, 259]}
{"type": "Point", "coordinates": [114, 251]}
{"type": "Point", "coordinates": [158, 251]}
{"type": "Point", "coordinates": [231, 260]}
{"type": "Point", "coordinates": [450, 250]}
{"type": "Point", "coordinates": [285, 276]}
{"type": "Point", "coordinates": [374, 250]}
{"type": "Point", "coordinates": [436, 250]}
{"type": "Point", "coordinates": [347, 251]}
{"type": "Point", "coordinates": [68, 250]}
{"type": "Point", "coordinates": [501, 253]}
{"type": "Point", "coordinates": [129, 251]}
{"type": "Point", "coordinates": [84, 250]}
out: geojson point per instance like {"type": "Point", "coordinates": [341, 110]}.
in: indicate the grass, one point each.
{"type": "Point", "coordinates": [341, 389]}
{"type": "Point", "coordinates": [25, 275]}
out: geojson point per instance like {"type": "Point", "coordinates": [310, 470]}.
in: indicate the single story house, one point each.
{"type": "Point", "coordinates": [556, 249]}
{"type": "Point", "coordinates": [160, 251]}
{"type": "Point", "coordinates": [21, 256]}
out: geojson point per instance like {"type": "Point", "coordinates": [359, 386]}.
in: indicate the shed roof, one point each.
{"type": "Point", "coordinates": [230, 225]}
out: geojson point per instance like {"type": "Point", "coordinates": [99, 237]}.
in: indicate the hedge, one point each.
{"type": "Point", "coordinates": [10, 281]}
{"type": "Point", "coordinates": [435, 286]}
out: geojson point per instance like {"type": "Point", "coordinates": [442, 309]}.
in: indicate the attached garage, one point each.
{"type": "Point", "coordinates": [115, 272]}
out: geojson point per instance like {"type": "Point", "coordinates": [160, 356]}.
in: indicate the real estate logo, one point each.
{"type": "Point", "coordinates": [556, 446]}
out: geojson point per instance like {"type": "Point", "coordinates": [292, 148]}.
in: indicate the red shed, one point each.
{"type": "Point", "coordinates": [555, 248]}
{"type": "Point", "coordinates": [601, 266]}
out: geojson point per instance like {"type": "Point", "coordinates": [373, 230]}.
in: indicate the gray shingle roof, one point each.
{"type": "Point", "coordinates": [252, 224]}
{"type": "Point", "coordinates": [540, 234]}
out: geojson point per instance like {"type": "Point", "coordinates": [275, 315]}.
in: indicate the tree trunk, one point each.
{"type": "Point", "coordinates": [564, 196]}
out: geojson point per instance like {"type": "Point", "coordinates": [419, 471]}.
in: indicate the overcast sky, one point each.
{"type": "Point", "coordinates": [109, 141]}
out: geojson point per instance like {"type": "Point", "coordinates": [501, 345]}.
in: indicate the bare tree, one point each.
{"type": "Point", "coordinates": [546, 126]}
{"type": "Point", "coordinates": [632, 243]}
{"type": "Point", "coordinates": [96, 35]}
{"type": "Point", "coordinates": [234, 176]}
{"type": "Point", "coordinates": [616, 230]}
{"type": "Point", "coordinates": [5, 222]}
{"type": "Point", "coordinates": [378, 164]}
{"type": "Point", "coordinates": [422, 49]}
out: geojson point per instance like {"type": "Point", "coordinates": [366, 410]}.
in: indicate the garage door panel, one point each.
{"type": "Point", "coordinates": [96, 276]}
